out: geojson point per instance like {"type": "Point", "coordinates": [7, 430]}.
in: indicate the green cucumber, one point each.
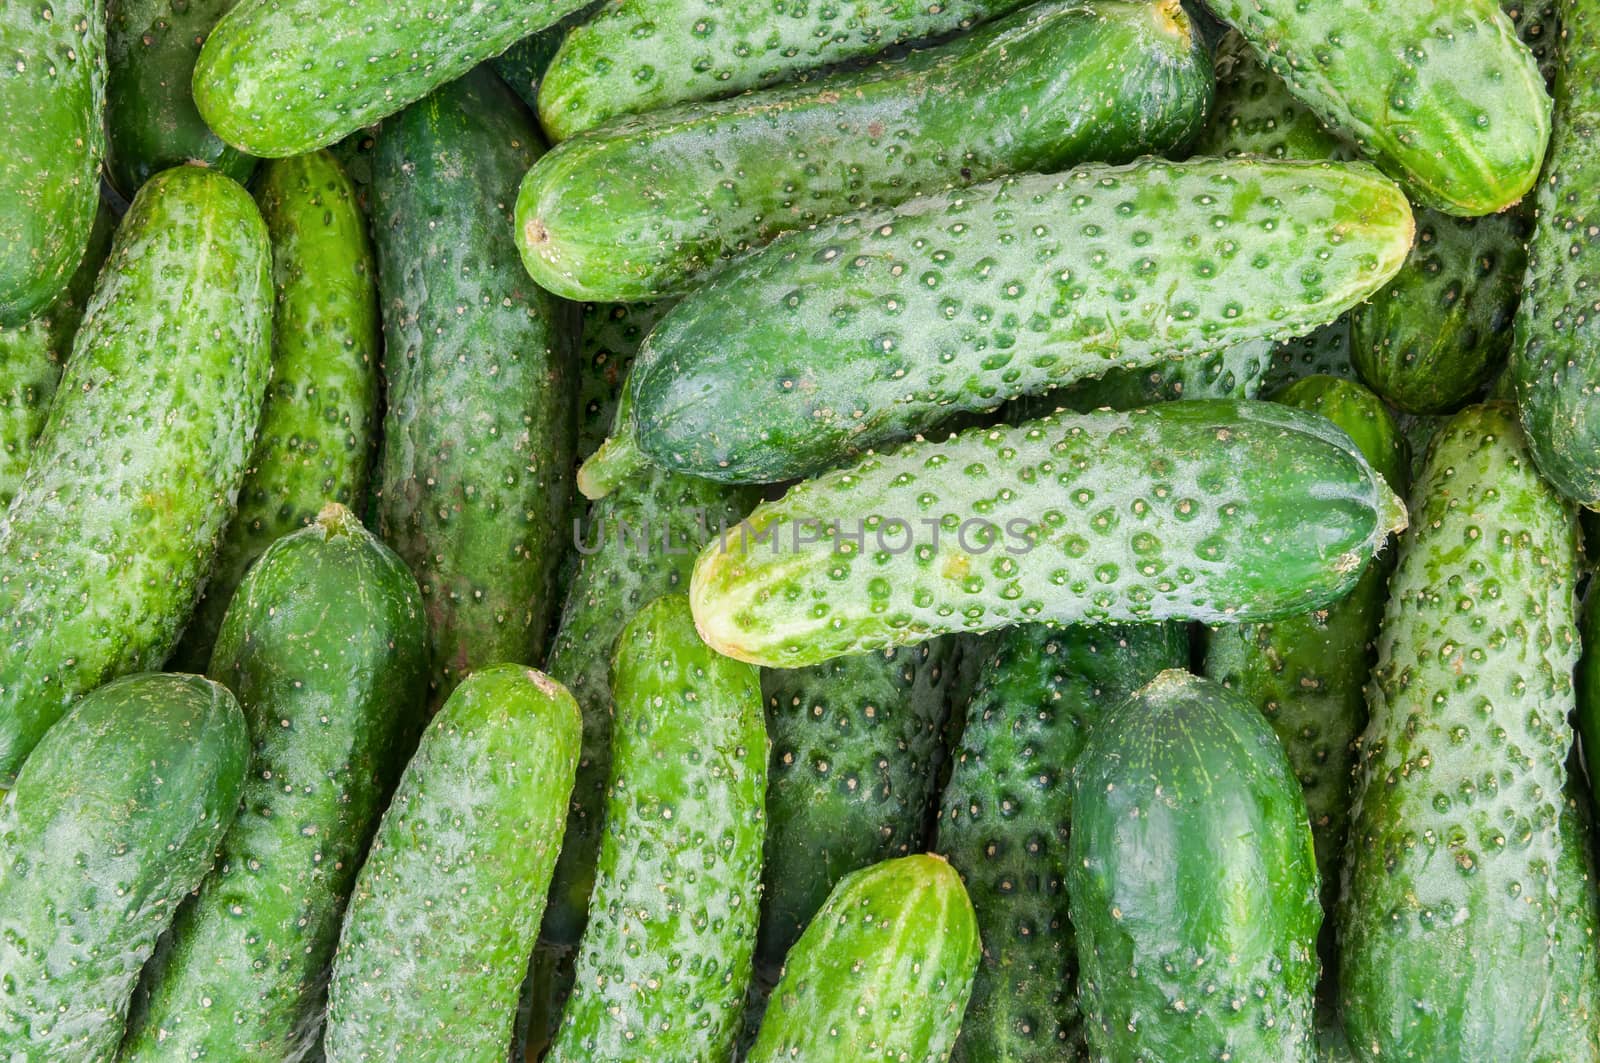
{"type": "Point", "coordinates": [151, 119]}
{"type": "Point", "coordinates": [1418, 431]}
{"type": "Point", "coordinates": [523, 65]}
{"type": "Point", "coordinates": [883, 972]}
{"type": "Point", "coordinates": [446, 908]}
{"type": "Point", "coordinates": [1256, 114]}
{"type": "Point", "coordinates": [871, 328]}
{"type": "Point", "coordinates": [612, 333]}
{"type": "Point", "coordinates": [1064, 82]}
{"type": "Point", "coordinates": [1213, 510]}
{"type": "Point", "coordinates": [1192, 882]}
{"type": "Point", "coordinates": [1440, 92]}
{"type": "Point", "coordinates": [665, 959]}
{"type": "Point", "coordinates": [643, 55]}
{"type": "Point", "coordinates": [1569, 1030]}
{"type": "Point", "coordinates": [113, 529]}
{"type": "Point", "coordinates": [476, 468]}
{"type": "Point", "coordinates": [318, 424]}
{"type": "Point", "coordinates": [1005, 815]}
{"type": "Point", "coordinates": [51, 103]}
{"type": "Point", "coordinates": [326, 647]}
{"type": "Point", "coordinates": [110, 824]}
{"type": "Point", "coordinates": [1450, 885]}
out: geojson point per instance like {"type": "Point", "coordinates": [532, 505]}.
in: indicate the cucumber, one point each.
{"type": "Point", "coordinates": [665, 959]}
{"type": "Point", "coordinates": [1063, 82]}
{"type": "Point", "coordinates": [326, 647]}
{"type": "Point", "coordinates": [1255, 113]}
{"type": "Point", "coordinates": [476, 468]}
{"type": "Point", "coordinates": [151, 119]}
{"type": "Point", "coordinates": [110, 824]}
{"type": "Point", "coordinates": [318, 424]}
{"type": "Point", "coordinates": [1005, 814]}
{"type": "Point", "coordinates": [523, 65]}
{"type": "Point", "coordinates": [1325, 352]}
{"type": "Point", "coordinates": [1450, 886]}
{"type": "Point", "coordinates": [112, 531]}
{"type": "Point", "coordinates": [477, 822]}
{"type": "Point", "coordinates": [643, 55]}
{"type": "Point", "coordinates": [1440, 92]}
{"type": "Point", "coordinates": [1207, 951]}
{"type": "Point", "coordinates": [51, 103]}
{"type": "Point", "coordinates": [1568, 1031]}
{"type": "Point", "coordinates": [1205, 510]}
{"type": "Point", "coordinates": [883, 972]}
{"type": "Point", "coordinates": [612, 333]}
{"type": "Point", "coordinates": [870, 328]}
{"type": "Point", "coordinates": [1234, 372]}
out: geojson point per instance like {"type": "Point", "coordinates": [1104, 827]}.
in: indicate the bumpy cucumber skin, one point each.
{"type": "Point", "coordinates": [1568, 1031]}
{"type": "Point", "coordinates": [1256, 114]}
{"type": "Point", "coordinates": [1005, 817]}
{"type": "Point", "coordinates": [151, 47]}
{"type": "Point", "coordinates": [884, 971]}
{"type": "Point", "coordinates": [1234, 372]}
{"type": "Point", "coordinates": [476, 470]}
{"type": "Point", "coordinates": [51, 104]}
{"type": "Point", "coordinates": [314, 444]}
{"type": "Point", "coordinates": [612, 333]}
{"type": "Point", "coordinates": [446, 908]}
{"type": "Point", "coordinates": [1325, 352]}
{"type": "Point", "coordinates": [326, 647]}
{"type": "Point", "coordinates": [1212, 510]}
{"type": "Point", "coordinates": [110, 824]}
{"type": "Point", "coordinates": [665, 959]}
{"type": "Point", "coordinates": [856, 744]}
{"type": "Point", "coordinates": [1440, 92]}
{"type": "Point", "coordinates": [870, 328]}
{"type": "Point", "coordinates": [1449, 879]}
{"type": "Point", "coordinates": [1066, 81]}
{"type": "Point", "coordinates": [113, 529]}
{"type": "Point", "coordinates": [1208, 952]}
{"type": "Point", "coordinates": [643, 55]}
{"type": "Point", "coordinates": [523, 65]}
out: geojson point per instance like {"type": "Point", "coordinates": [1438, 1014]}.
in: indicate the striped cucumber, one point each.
{"type": "Point", "coordinates": [476, 821]}
{"type": "Point", "coordinates": [645, 207]}
{"type": "Point", "coordinates": [110, 824]}
{"type": "Point", "coordinates": [326, 647]}
{"type": "Point", "coordinates": [665, 959]}
{"type": "Point", "coordinates": [113, 529]}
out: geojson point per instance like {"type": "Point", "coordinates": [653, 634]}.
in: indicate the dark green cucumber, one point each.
{"type": "Point", "coordinates": [51, 103]}
{"type": "Point", "coordinates": [1232, 373]}
{"type": "Point", "coordinates": [1256, 114]}
{"type": "Point", "coordinates": [1064, 82]}
{"type": "Point", "coordinates": [1538, 24]}
{"type": "Point", "coordinates": [612, 333]}
{"type": "Point", "coordinates": [151, 47]}
{"type": "Point", "coordinates": [1569, 1031]}
{"type": "Point", "coordinates": [883, 971]}
{"type": "Point", "coordinates": [1450, 886]}
{"type": "Point", "coordinates": [1005, 815]}
{"type": "Point", "coordinates": [1418, 431]}
{"type": "Point", "coordinates": [871, 328]}
{"type": "Point", "coordinates": [523, 65]}
{"type": "Point", "coordinates": [1440, 92]}
{"type": "Point", "coordinates": [1214, 510]}
{"type": "Point", "coordinates": [476, 469]}
{"type": "Point", "coordinates": [855, 747]}
{"type": "Point", "coordinates": [1192, 881]}
{"type": "Point", "coordinates": [643, 55]}
{"type": "Point", "coordinates": [110, 824]}
{"type": "Point", "coordinates": [113, 528]}
{"type": "Point", "coordinates": [318, 425]}
{"type": "Point", "coordinates": [446, 908]}
{"type": "Point", "coordinates": [665, 959]}
{"type": "Point", "coordinates": [326, 647]}
{"type": "Point", "coordinates": [1325, 352]}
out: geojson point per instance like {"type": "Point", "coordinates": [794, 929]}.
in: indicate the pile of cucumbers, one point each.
{"type": "Point", "coordinates": [696, 531]}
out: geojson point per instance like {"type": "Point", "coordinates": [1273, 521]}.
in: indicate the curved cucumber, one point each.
{"type": "Point", "coordinates": [883, 971]}
{"type": "Point", "coordinates": [110, 824]}
{"type": "Point", "coordinates": [1064, 82]}
{"type": "Point", "coordinates": [1204, 510]}
{"type": "Point", "coordinates": [446, 908]}
{"type": "Point", "coordinates": [871, 328]}
{"type": "Point", "coordinates": [665, 959]}
{"type": "Point", "coordinates": [113, 529]}
{"type": "Point", "coordinates": [1208, 952]}
{"type": "Point", "coordinates": [326, 647]}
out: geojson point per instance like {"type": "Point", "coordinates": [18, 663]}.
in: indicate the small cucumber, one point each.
{"type": "Point", "coordinates": [446, 908]}
{"type": "Point", "coordinates": [882, 973]}
{"type": "Point", "coordinates": [1214, 510]}
{"type": "Point", "coordinates": [110, 824]}
{"type": "Point", "coordinates": [665, 959]}
{"type": "Point", "coordinates": [326, 647]}
{"type": "Point", "coordinates": [682, 190]}
{"type": "Point", "coordinates": [113, 529]}
{"type": "Point", "coordinates": [1192, 882]}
